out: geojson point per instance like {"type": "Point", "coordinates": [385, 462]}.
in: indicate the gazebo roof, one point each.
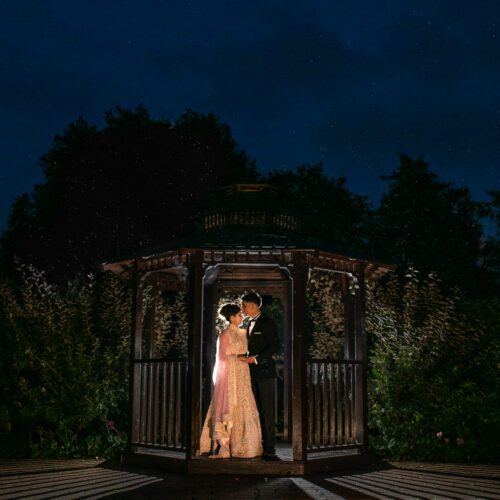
{"type": "Point", "coordinates": [243, 223]}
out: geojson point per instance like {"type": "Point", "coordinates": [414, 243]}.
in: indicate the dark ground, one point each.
{"type": "Point", "coordinates": [98, 479]}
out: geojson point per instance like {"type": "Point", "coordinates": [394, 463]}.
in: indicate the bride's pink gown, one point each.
{"type": "Point", "coordinates": [232, 418]}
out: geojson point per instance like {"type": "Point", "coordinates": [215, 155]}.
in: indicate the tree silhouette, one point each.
{"type": "Point", "coordinates": [330, 212]}
{"type": "Point", "coordinates": [429, 223]}
{"type": "Point", "coordinates": [490, 262]}
{"type": "Point", "coordinates": [108, 192]}
{"type": "Point", "coordinates": [139, 182]}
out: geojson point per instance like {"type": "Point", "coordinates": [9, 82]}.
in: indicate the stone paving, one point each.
{"type": "Point", "coordinates": [68, 479]}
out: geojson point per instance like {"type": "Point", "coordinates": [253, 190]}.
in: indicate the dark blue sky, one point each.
{"type": "Point", "coordinates": [347, 82]}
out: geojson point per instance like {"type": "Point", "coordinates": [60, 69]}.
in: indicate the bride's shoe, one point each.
{"type": "Point", "coordinates": [223, 453]}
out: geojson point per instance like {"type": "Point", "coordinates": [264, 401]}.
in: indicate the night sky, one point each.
{"type": "Point", "coordinates": [350, 83]}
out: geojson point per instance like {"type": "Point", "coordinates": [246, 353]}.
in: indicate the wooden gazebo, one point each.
{"type": "Point", "coordinates": [322, 402]}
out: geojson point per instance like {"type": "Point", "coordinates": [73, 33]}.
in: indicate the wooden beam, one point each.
{"type": "Point", "coordinates": [299, 356]}
{"type": "Point", "coordinates": [193, 396]}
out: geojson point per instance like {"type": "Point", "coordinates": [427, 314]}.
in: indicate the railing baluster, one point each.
{"type": "Point", "coordinates": [325, 404]}
{"type": "Point", "coordinates": [183, 419]}
{"type": "Point", "coordinates": [143, 410]}
{"type": "Point", "coordinates": [338, 433]}
{"type": "Point", "coordinates": [311, 405]}
{"type": "Point", "coordinates": [353, 404]}
{"type": "Point", "coordinates": [317, 433]}
{"type": "Point", "coordinates": [347, 392]}
{"type": "Point", "coordinates": [331, 370]}
{"type": "Point", "coordinates": [170, 405]}
{"type": "Point", "coordinates": [163, 402]}
{"type": "Point", "coordinates": [344, 397]}
{"type": "Point", "coordinates": [156, 401]}
{"type": "Point", "coordinates": [178, 419]}
{"type": "Point", "coordinates": [149, 418]}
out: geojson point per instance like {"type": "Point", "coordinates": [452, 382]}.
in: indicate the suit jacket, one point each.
{"type": "Point", "coordinates": [263, 343]}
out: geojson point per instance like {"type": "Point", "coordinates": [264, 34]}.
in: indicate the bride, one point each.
{"type": "Point", "coordinates": [232, 420]}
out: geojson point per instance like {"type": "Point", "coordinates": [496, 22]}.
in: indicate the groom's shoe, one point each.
{"type": "Point", "coordinates": [270, 457]}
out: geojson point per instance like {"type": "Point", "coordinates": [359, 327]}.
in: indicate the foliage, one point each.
{"type": "Point", "coordinates": [63, 366]}
{"type": "Point", "coordinates": [325, 310]}
{"type": "Point", "coordinates": [171, 325]}
{"type": "Point", "coordinates": [491, 248]}
{"type": "Point", "coordinates": [329, 211]}
{"type": "Point", "coordinates": [430, 224]}
{"type": "Point", "coordinates": [433, 372]}
{"type": "Point", "coordinates": [273, 307]}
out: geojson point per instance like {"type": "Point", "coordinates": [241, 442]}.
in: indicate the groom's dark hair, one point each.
{"type": "Point", "coordinates": [252, 297]}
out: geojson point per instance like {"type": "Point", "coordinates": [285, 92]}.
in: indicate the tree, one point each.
{"type": "Point", "coordinates": [136, 182]}
{"type": "Point", "coordinates": [329, 212]}
{"type": "Point", "coordinates": [430, 224]}
{"type": "Point", "coordinates": [490, 261]}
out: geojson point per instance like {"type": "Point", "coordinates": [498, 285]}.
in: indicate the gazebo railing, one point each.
{"type": "Point", "coordinates": [161, 419]}
{"type": "Point", "coordinates": [223, 218]}
{"type": "Point", "coordinates": [331, 389]}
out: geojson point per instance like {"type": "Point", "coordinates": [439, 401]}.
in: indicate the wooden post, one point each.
{"type": "Point", "coordinates": [349, 327]}
{"type": "Point", "coordinates": [193, 393]}
{"type": "Point", "coordinates": [287, 349]}
{"type": "Point", "coordinates": [208, 345]}
{"type": "Point", "coordinates": [135, 353]}
{"type": "Point", "coordinates": [361, 403]}
{"type": "Point", "coordinates": [299, 357]}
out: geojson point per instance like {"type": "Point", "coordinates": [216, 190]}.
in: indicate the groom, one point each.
{"type": "Point", "coordinates": [263, 343]}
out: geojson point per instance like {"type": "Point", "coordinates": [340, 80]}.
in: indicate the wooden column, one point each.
{"type": "Point", "coordinates": [299, 357]}
{"type": "Point", "coordinates": [361, 403]}
{"type": "Point", "coordinates": [287, 350]}
{"type": "Point", "coordinates": [193, 396]}
{"type": "Point", "coordinates": [135, 353]}
{"type": "Point", "coordinates": [208, 345]}
{"type": "Point", "coordinates": [349, 328]}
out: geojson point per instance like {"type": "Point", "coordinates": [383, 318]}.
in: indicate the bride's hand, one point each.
{"type": "Point", "coordinates": [250, 360]}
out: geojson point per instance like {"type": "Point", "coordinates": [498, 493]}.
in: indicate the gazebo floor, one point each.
{"type": "Point", "coordinates": [320, 461]}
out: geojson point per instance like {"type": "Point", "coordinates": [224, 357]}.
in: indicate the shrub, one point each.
{"type": "Point", "coordinates": [433, 372]}
{"type": "Point", "coordinates": [63, 366]}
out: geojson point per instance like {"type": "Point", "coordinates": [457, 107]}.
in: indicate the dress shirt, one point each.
{"type": "Point", "coordinates": [252, 324]}
{"type": "Point", "coordinates": [250, 328]}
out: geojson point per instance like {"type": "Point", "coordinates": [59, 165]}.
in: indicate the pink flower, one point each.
{"type": "Point", "coordinates": [447, 440]}
{"type": "Point", "coordinates": [110, 425]}
{"type": "Point", "coordinates": [460, 441]}
{"type": "Point", "coordinates": [439, 435]}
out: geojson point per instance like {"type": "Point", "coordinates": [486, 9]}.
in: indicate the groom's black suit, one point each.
{"type": "Point", "coordinates": [263, 343]}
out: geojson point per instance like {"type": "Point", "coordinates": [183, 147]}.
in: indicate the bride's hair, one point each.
{"type": "Point", "coordinates": [228, 310]}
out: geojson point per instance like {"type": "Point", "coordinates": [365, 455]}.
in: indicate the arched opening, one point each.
{"type": "Point", "coordinates": [226, 284]}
